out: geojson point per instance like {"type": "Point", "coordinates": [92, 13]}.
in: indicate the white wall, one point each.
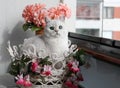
{"type": "Point", "coordinates": [88, 24]}
{"type": "Point", "coordinates": [111, 24]}
{"type": "Point", "coordinates": [70, 23]}
{"type": "Point", "coordinates": [112, 3]}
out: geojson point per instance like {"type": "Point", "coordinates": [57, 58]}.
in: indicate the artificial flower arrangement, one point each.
{"type": "Point", "coordinates": [29, 71]}
{"type": "Point", "coordinates": [34, 15]}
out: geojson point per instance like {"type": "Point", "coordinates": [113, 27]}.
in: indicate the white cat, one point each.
{"type": "Point", "coordinates": [53, 41]}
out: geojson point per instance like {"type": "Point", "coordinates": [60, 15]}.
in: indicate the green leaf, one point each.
{"type": "Point", "coordinates": [49, 63]}
{"type": "Point", "coordinates": [82, 61]}
{"type": "Point", "coordinates": [23, 57]}
{"type": "Point", "coordinates": [31, 26]}
{"type": "Point", "coordinates": [35, 28]}
{"type": "Point", "coordinates": [27, 59]}
{"type": "Point", "coordinates": [45, 59]}
{"type": "Point", "coordinates": [25, 26]}
{"type": "Point", "coordinates": [69, 73]}
{"type": "Point", "coordinates": [22, 65]}
{"type": "Point", "coordinates": [80, 52]}
{"type": "Point", "coordinates": [15, 62]}
{"type": "Point", "coordinates": [13, 72]}
{"type": "Point", "coordinates": [79, 56]}
{"type": "Point", "coordinates": [14, 68]}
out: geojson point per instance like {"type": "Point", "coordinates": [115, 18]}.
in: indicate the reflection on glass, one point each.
{"type": "Point", "coordinates": [87, 10]}
{"type": "Point", "coordinates": [88, 17]}
{"type": "Point", "coordinates": [90, 32]}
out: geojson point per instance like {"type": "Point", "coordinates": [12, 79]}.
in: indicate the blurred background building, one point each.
{"type": "Point", "coordinates": [98, 18]}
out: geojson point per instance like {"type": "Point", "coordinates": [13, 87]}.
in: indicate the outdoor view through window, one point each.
{"type": "Point", "coordinates": [99, 18]}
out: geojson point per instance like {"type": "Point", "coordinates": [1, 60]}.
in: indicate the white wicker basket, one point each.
{"type": "Point", "coordinates": [48, 86]}
{"type": "Point", "coordinates": [52, 82]}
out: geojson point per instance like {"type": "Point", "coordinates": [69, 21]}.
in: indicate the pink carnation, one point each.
{"type": "Point", "coordinates": [61, 10]}
{"type": "Point", "coordinates": [69, 64]}
{"type": "Point", "coordinates": [20, 80]}
{"type": "Point", "coordinates": [39, 18]}
{"type": "Point", "coordinates": [36, 13]}
{"type": "Point", "coordinates": [69, 84]}
{"type": "Point", "coordinates": [23, 81]}
{"type": "Point", "coordinates": [64, 10]}
{"type": "Point", "coordinates": [27, 82]}
{"type": "Point", "coordinates": [34, 66]}
{"type": "Point", "coordinates": [53, 13]}
{"type": "Point", "coordinates": [47, 70]}
{"type": "Point", "coordinates": [73, 66]}
{"type": "Point", "coordinates": [30, 10]}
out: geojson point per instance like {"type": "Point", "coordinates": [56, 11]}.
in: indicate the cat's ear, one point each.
{"type": "Point", "coordinates": [62, 18]}
{"type": "Point", "coordinates": [47, 19]}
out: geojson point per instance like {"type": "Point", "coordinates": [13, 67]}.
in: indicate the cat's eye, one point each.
{"type": "Point", "coordinates": [51, 28]}
{"type": "Point", "coordinates": [60, 27]}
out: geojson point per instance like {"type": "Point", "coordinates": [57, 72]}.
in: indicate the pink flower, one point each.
{"type": "Point", "coordinates": [61, 10]}
{"type": "Point", "coordinates": [74, 69]}
{"type": "Point", "coordinates": [64, 10]}
{"type": "Point", "coordinates": [74, 86]}
{"type": "Point", "coordinates": [53, 13]}
{"type": "Point", "coordinates": [23, 81]}
{"type": "Point", "coordinates": [69, 84]}
{"type": "Point", "coordinates": [39, 18]}
{"type": "Point", "coordinates": [20, 80]}
{"type": "Point", "coordinates": [73, 66]}
{"type": "Point", "coordinates": [30, 10]}
{"type": "Point", "coordinates": [36, 13]}
{"type": "Point", "coordinates": [34, 65]}
{"type": "Point", "coordinates": [27, 82]}
{"type": "Point", "coordinates": [47, 70]}
{"type": "Point", "coordinates": [69, 65]}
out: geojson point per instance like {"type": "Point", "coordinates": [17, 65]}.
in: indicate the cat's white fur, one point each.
{"type": "Point", "coordinates": [51, 42]}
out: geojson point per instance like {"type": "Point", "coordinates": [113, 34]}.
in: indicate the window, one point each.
{"type": "Point", "coordinates": [108, 12]}
{"type": "Point", "coordinates": [90, 32]}
{"type": "Point", "coordinates": [88, 18]}
{"type": "Point", "coordinates": [98, 18]}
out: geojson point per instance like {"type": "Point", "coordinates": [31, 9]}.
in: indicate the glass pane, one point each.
{"type": "Point", "coordinates": [100, 16]}
{"type": "Point", "coordinates": [107, 34]}
{"type": "Point", "coordinates": [90, 32]}
{"type": "Point", "coordinates": [88, 17]}
{"type": "Point", "coordinates": [86, 10]}
{"type": "Point", "coordinates": [108, 12]}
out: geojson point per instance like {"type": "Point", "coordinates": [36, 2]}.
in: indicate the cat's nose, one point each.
{"type": "Point", "coordinates": [56, 30]}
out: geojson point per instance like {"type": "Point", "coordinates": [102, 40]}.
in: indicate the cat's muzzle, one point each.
{"type": "Point", "coordinates": [57, 33]}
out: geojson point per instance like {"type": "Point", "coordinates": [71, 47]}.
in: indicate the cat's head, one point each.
{"type": "Point", "coordinates": [55, 28]}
